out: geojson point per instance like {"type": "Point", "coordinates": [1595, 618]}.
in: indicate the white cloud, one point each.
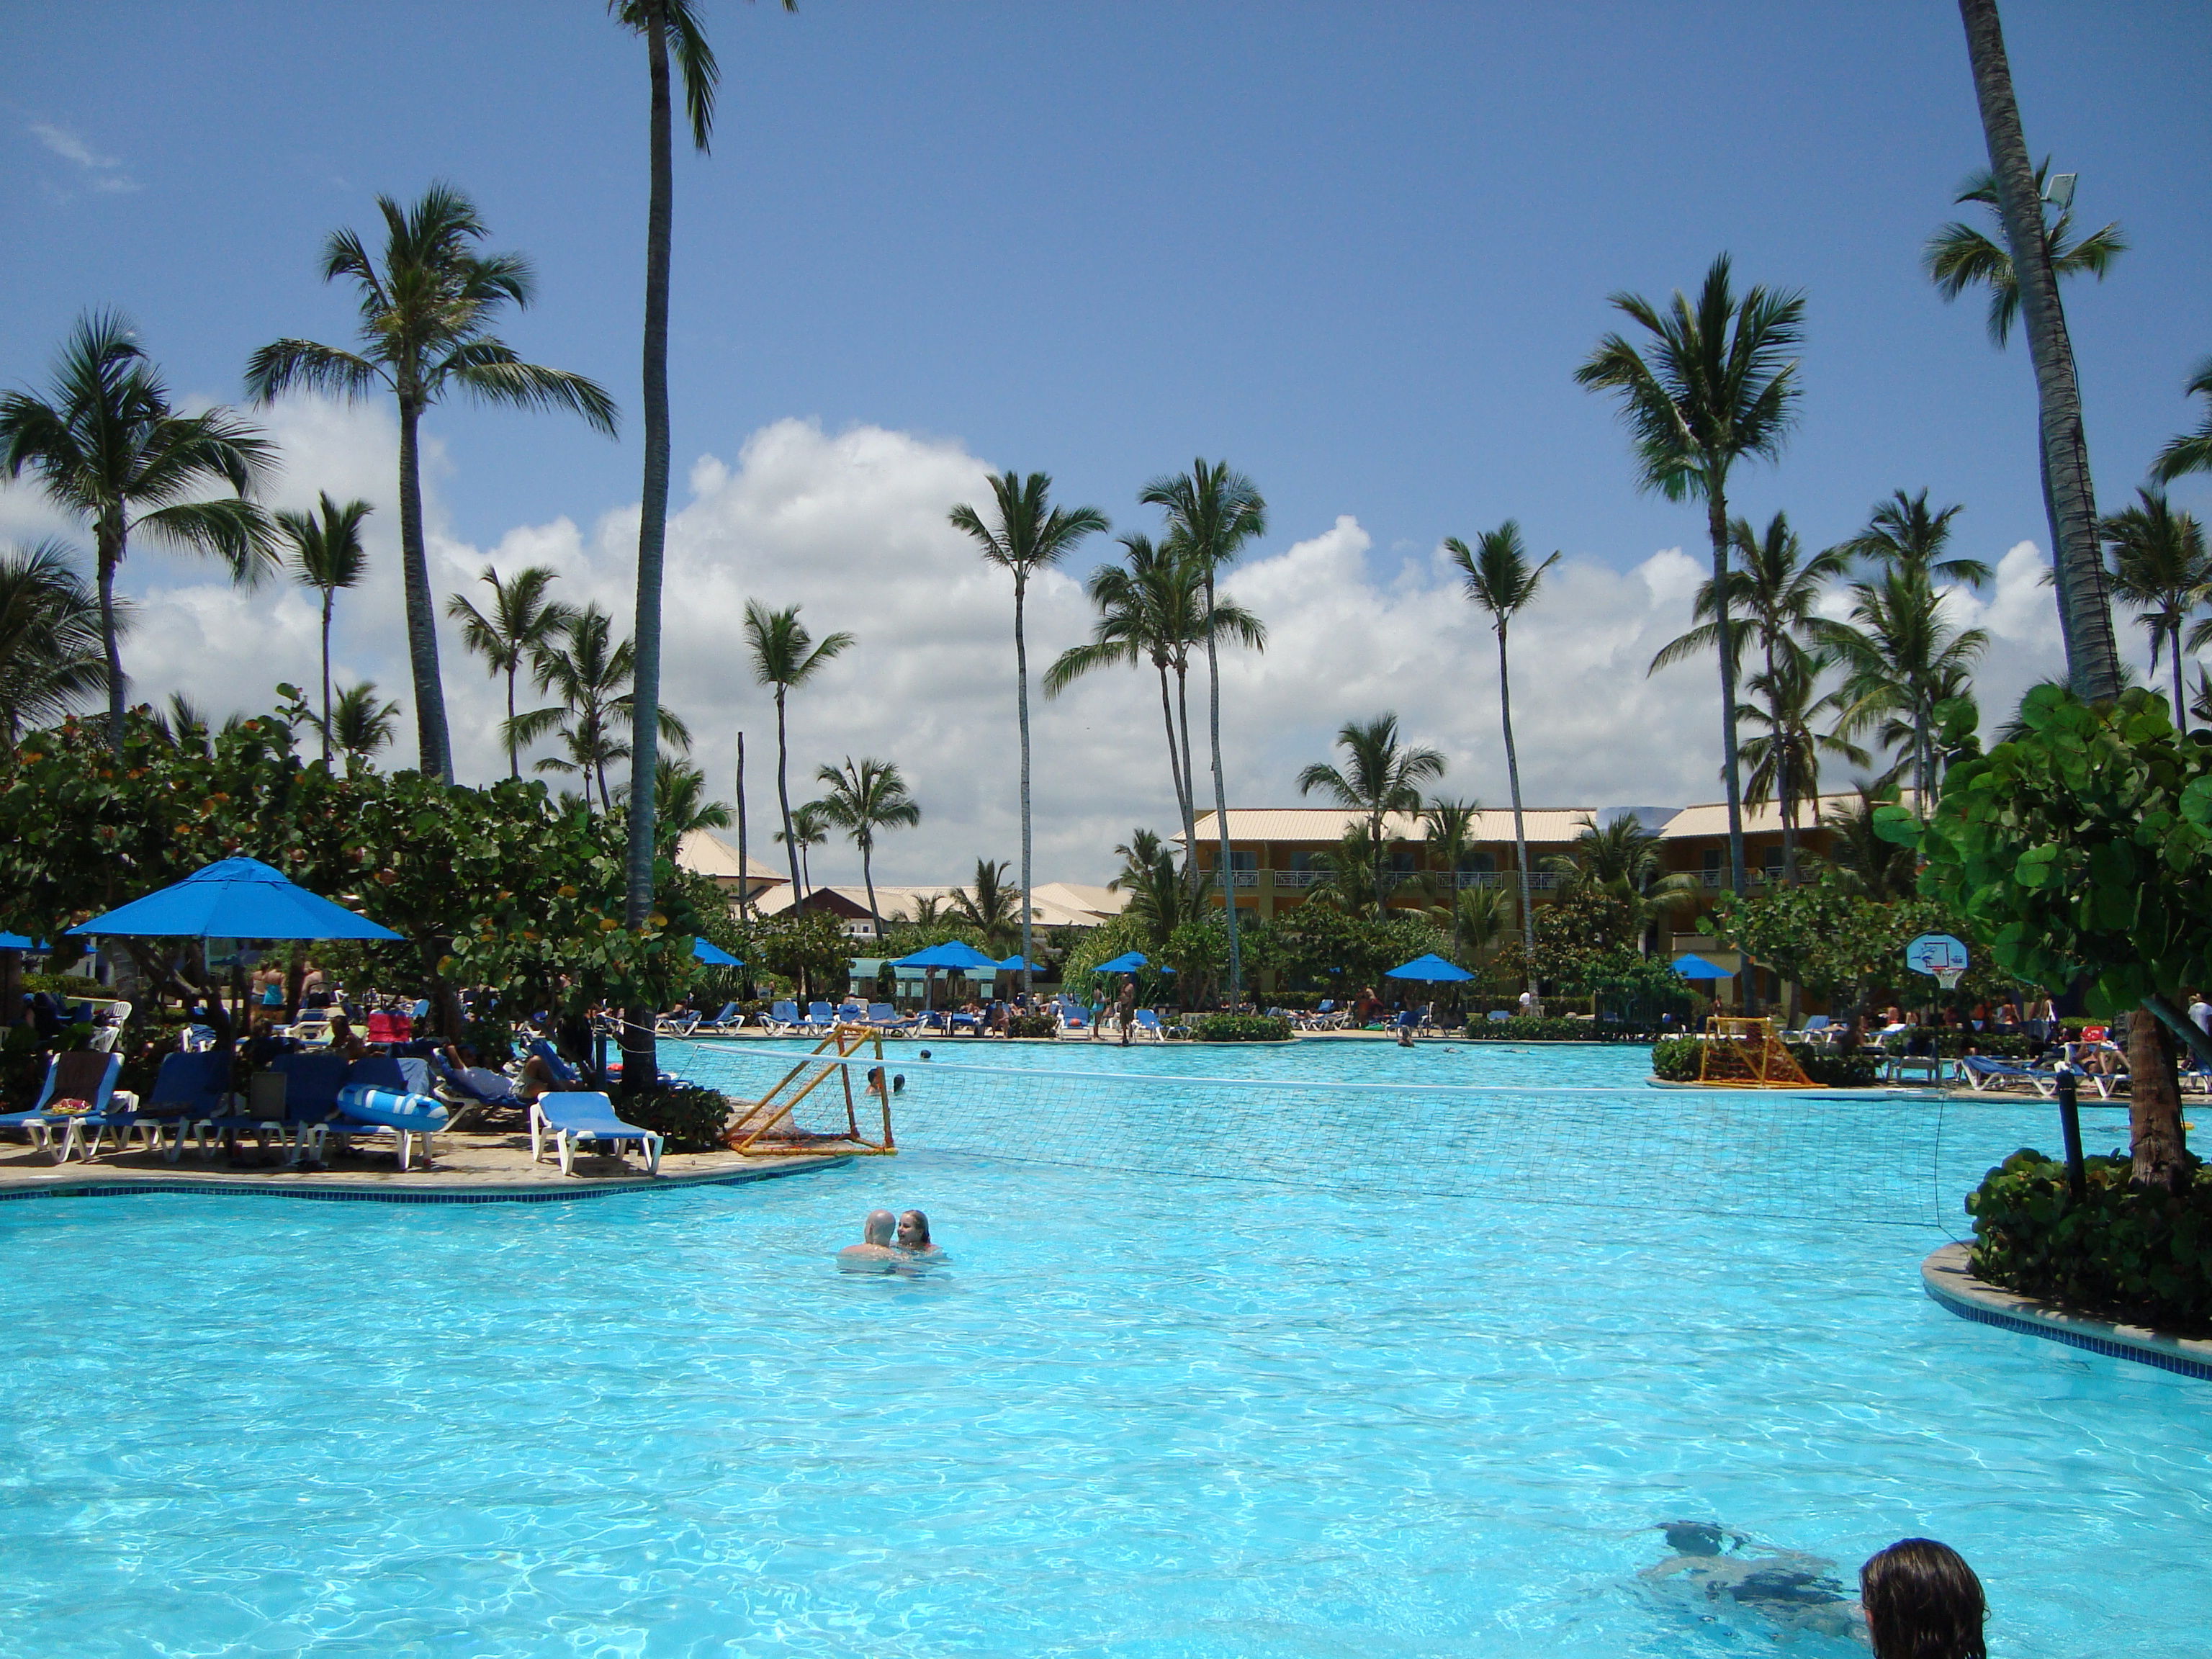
{"type": "Point", "coordinates": [103, 172]}
{"type": "Point", "coordinates": [851, 526]}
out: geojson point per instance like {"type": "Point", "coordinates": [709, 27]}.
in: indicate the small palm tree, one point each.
{"type": "Point", "coordinates": [1500, 578]}
{"type": "Point", "coordinates": [1901, 657]}
{"type": "Point", "coordinates": [1031, 535]}
{"type": "Point", "coordinates": [1866, 864]}
{"type": "Point", "coordinates": [518, 627]}
{"type": "Point", "coordinates": [865, 796]}
{"type": "Point", "coordinates": [425, 330]}
{"type": "Point", "coordinates": [360, 725]}
{"type": "Point", "coordinates": [327, 556]}
{"type": "Point", "coordinates": [111, 450]}
{"type": "Point", "coordinates": [1719, 388]}
{"type": "Point", "coordinates": [1381, 776]}
{"type": "Point", "coordinates": [1784, 753]}
{"type": "Point", "coordinates": [590, 670]}
{"type": "Point", "coordinates": [1160, 899]}
{"type": "Point", "coordinates": [184, 726]}
{"type": "Point", "coordinates": [1214, 513]}
{"type": "Point", "coordinates": [988, 905]}
{"type": "Point", "coordinates": [680, 804]}
{"type": "Point", "coordinates": [52, 651]}
{"type": "Point", "coordinates": [809, 829]}
{"type": "Point", "coordinates": [1903, 533]}
{"type": "Point", "coordinates": [1624, 862]}
{"type": "Point", "coordinates": [1345, 874]}
{"type": "Point", "coordinates": [1450, 826]}
{"type": "Point", "coordinates": [2191, 452]}
{"type": "Point", "coordinates": [2161, 569]}
{"type": "Point", "coordinates": [785, 656]}
{"type": "Point", "coordinates": [1960, 256]}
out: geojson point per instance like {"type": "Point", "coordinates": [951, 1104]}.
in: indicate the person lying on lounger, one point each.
{"type": "Point", "coordinates": [876, 1254]}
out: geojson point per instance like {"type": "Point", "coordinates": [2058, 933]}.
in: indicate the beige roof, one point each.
{"type": "Point", "coordinates": [1054, 903]}
{"type": "Point", "coordinates": [1711, 818]}
{"type": "Point", "coordinates": [706, 853]}
{"type": "Point", "coordinates": [1318, 824]}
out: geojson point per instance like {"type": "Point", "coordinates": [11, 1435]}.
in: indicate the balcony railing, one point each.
{"type": "Point", "coordinates": [1545, 879]}
{"type": "Point", "coordinates": [1246, 878]}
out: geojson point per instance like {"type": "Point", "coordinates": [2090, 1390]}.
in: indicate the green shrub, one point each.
{"type": "Point", "coordinates": [1835, 1071]}
{"type": "Point", "coordinates": [1032, 1025]}
{"type": "Point", "coordinates": [2145, 1256]}
{"type": "Point", "coordinates": [1243, 1028]}
{"type": "Point", "coordinates": [1674, 1059]}
{"type": "Point", "coordinates": [67, 985]}
{"type": "Point", "coordinates": [691, 1119]}
{"type": "Point", "coordinates": [1527, 1028]}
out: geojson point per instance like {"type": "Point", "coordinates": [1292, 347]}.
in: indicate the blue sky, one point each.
{"type": "Point", "coordinates": [1357, 249]}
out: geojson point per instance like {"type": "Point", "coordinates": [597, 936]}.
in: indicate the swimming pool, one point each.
{"type": "Point", "coordinates": [1142, 1413]}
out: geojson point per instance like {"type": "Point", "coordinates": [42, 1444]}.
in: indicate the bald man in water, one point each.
{"type": "Point", "coordinates": [875, 1255]}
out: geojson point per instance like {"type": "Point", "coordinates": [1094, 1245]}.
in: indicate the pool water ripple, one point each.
{"type": "Point", "coordinates": [1140, 1414]}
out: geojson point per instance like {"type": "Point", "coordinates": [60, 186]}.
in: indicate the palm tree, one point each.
{"type": "Point", "coordinates": [1153, 610]}
{"type": "Point", "coordinates": [1160, 899]}
{"type": "Point", "coordinates": [2085, 615]}
{"type": "Point", "coordinates": [1500, 580]}
{"type": "Point", "coordinates": [360, 725]}
{"type": "Point", "coordinates": [1345, 874]}
{"type": "Point", "coordinates": [519, 626]}
{"type": "Point", "coordinates": [1775, 588]}
{"type": "Point", "coordinates": [809, 827]}
{"type": "Point", "coordinates": [2161, 569]}
{"type": "Point", "coordinates": [1958, 256]}
{"type": "Point", "coordinates": [1903, 533]}
{"type": "Point", "coordinates": [327, 556]}
{"type": "Point", "coordinates": [1901, 658]}
{"type": "Point", "coordinates": [1031, 535]}
{"type": "Point", "coordinates": [2201, 704]}
{"type": "Point", "coordinates": [1624, 862]}
{"type": "Point", "coordinates": [785, 656]}
{"type": "Point", "coordinates": [1381, 777]}
{"type": "Point", "coordinates": [1720, 387]}
{"type": "Point", "coordinates": [1785, 756]}
{"type": "Point", "coordinates": [52, 648]}
{"type": "Point", "coordinates": [866, 796]}
{"type": "Point", "coordinates": [425, 330]}
{"type": "Point", "coordinates": [1212, 513]}
{"type": "Point", "coordinates": [664, 24]}
{"type": "Point", "coordinates": [680, 804]}
{"type": "Point", "coordinates": [111, 450]}
{"type": "Point", "coordinates": [1867, 865]}
{"type": "Point", "coordinates": [590, 670]}
{"type": "Point", "coordinates": [988, 904]}
{"type": "Point", "coordinates": [2191, 452]}
{"type": "Point", "coordinates": [1450, 826]}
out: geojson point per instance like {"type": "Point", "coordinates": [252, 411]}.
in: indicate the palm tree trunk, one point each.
{"type": "Point", "coordinates": [330, 598]}
{"type": "Point", "coordinates": [1175, 762]}
{"type": "Point", "coordinates": [1221, 799]}
{"type": "Point", "coordinates": [513, 754]}
{"type": "Point", "coordinates": [1022, 705]}
{"type": "Point", "coordinates": [744, 861]}
{"type": "Point", "coordinates": [111, 555]}
{"type": "Point", "coordinates": [1716, 524]}
{"type": "Point", "coordinates": [868, 876]}
{"type": "Point", "coordinates": [783, 802]}
{"type": "Point", "coordinates": [433, 749]}
{"type": "Point", "coordinates": [2085, 614]}
{"type": "Point", "coordinates": [1519, 826]}
{"type": "Point", "coordinates": [2180, 706]}
{"type": "Point", "coordinates": [1189, 781]}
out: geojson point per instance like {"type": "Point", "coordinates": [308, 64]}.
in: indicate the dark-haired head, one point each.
{"type": "Point", "coordinates": [1923, 1602]}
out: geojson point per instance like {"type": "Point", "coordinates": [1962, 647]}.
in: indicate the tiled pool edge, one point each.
{"type": "Point", "coordinates": [1946, 1280]}
{"type": "Point", "coordinates": [481, 1193]}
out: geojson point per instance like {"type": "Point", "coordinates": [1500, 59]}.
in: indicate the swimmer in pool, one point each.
{"type": "Point", "coordinates": [914, 1238]}
{"type": "Point", "coordinates": [1796, 1591]}
{"type": "Point", "coordinates": [876, 1254]}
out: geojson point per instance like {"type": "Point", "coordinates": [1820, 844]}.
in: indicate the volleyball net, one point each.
{"type": "Point", "coordinates": [1807, 1156]}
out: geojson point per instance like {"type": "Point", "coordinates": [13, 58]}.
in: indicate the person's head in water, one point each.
{"type": "Point", "coordinates": [1923, 1602]}
{"type": "Point", "coordinates": [879, 1226]}
{"type": "Point", "coordinates": [1694, 1537]}
{"type": "Point", "coordinates": [913, 1231]}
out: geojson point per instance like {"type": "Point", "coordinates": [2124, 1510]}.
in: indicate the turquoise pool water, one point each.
{"type": "Point", "coordinates": [1142, 1413]}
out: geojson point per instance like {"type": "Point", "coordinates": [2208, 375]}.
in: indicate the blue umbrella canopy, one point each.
{"type": "Point", "coordinates": [236, 898]}
{"type": "Point", "coordinates": [707, 952]}
{"type": "Point", "coordinates": [953, 953]}
{"type": "Point", "coordinates": [1127, 964]}
{"type": "Point", "coordinates": [17, 942]}
{"type": "Point", "coordinates": [1430, 967]}
{"type": "Point", "coordinates": [1696, 967]}
{"type": "Point", "coordinates": [1015, 964]}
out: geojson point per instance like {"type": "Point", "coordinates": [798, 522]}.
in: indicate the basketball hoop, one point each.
{"type": "Point", "coordinates": [1949, 977]}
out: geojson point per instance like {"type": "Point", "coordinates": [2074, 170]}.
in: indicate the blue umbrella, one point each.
{"type": "Point", "coordinates": [17, 942]}
{"type": "Point", "coordinates": [707, 952]}
{"type": "Point", "coordinates": [1430, 967]}
{"type": "Point", "coordinates": [1696, 967]}
{"type": "Point", "coordinates": [1128, 964]}
{"type": "Point", "coordinates": [236, 898]}
{"type": "Point", "coordinates": [1015, 964]}
{"type": "Point", "coordinates": [953, 953]}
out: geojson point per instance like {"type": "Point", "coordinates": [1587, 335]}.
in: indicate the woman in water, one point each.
{"type": "Point", "coordinates": [914, 1237]}
{"type": "Point", "coordinates": [1923, 1602]}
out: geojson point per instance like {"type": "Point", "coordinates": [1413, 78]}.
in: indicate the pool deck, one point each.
{"type": "Point", "coordinates": [1947, 1280]}
{"type": "Point", "coordinates": [470, 1169]}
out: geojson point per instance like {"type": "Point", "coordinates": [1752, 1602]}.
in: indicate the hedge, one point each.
{"type": "Point", "coordinates": [690, 1120]}
{"type": "Point", "coordinates": [2144, 1256]}
{"type": "Point", "coordinates": [1528, 1028]}
{"type": "Point", "coordinates": [1032, 1025]}
{"type": "Point", "coordinates": [1243, 1028]}
{"type": "Point", "coordinates": [1674, 1059]}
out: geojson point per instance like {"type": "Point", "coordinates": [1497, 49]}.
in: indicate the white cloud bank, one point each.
{"type": "Point", "coordinates": [851, 526]}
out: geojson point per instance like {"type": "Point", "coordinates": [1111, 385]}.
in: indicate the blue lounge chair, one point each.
{"type": "Point", "coordinates": [782, 1017]}
{"type": "Point", "coordinates": [885, 1017]}
{"type": "Point", "coordinates": [383, 1096]}
{"type": "Point", "coordinates": [86, 1076]}
{"type": "Point", "coordinates": [1148, 1028]}
{"type": "Point", "coordinates": [1989, 1076]}
{"type": "Point", "coordinates": [676, 1025]}
{"type": "Point", "coordinates": [563, 1074]}
{"type": "Point", "coordinates": [187, 1088]}
{"type": "Point", "coordinates": [573, 1119]}
{"type": "Point", "coordinates": [820, 1016]}
{"type": "Point", "coordinates": [728, 1020]}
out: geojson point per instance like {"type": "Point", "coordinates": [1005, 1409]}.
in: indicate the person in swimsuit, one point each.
{"type": "Point", "coordinates": [876, 1254]}
{"type": "Point", "coordinates": [914, 1237]}
{"type": "Point", "coordinates": [1716, 1567]}
{"type": "Point", "coordinates": [1923, 1602]}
